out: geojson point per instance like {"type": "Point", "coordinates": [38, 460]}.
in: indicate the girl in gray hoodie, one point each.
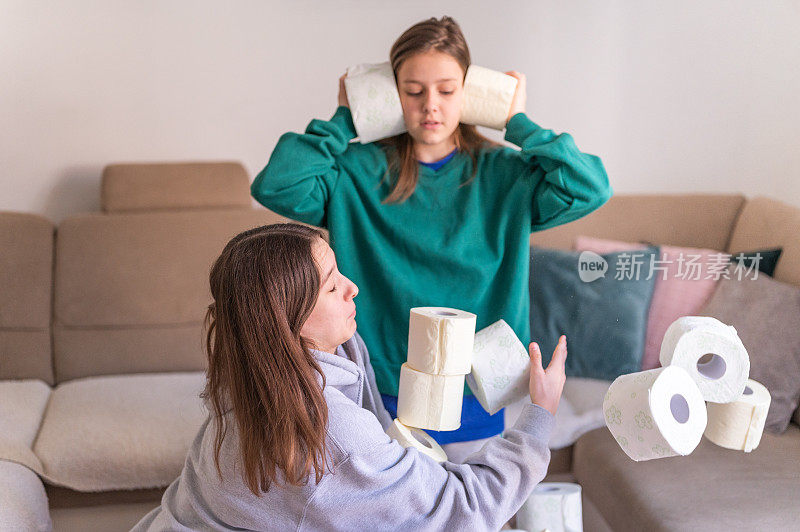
{"type": "Point", "coordinates": [295, 436]}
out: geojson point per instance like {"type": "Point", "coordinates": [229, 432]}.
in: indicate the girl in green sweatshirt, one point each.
{"type": "Point", "coordinates": [437, 216]}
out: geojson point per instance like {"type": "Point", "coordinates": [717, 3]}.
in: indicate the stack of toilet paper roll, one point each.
{"type": "Point", "coordinates": [377, 113]}
{"type": "Point", "coordinates": [662, 412]}
{"type": "Point", "coordinates": [431, 391]}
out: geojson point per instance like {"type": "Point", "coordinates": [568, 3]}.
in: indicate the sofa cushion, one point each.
{"type": "Point", "coordinates": [681, 288]}
{"type": "Point", "coordinates": [159, 186]}
{"type": "Point", "coordinates": [26, 285]}
{"type": "Point", "coordinates": [604, 319]}
{"type": "Point", "coordinates": [670, 219]}
{"type": "Point", "coordinates": [120, 432]}
{"type": "Point", "coordinates": [132, 289]}
{"type": "Point", "coordinates": [22, 406]}
{"type": "Point", "coordinates": [766, 314]}
{"type": "Point", "coordinates": [769, 223]}
{"type": "Point", "coordinates": [711, 489]}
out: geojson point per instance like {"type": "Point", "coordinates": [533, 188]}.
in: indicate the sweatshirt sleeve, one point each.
{"type": "Point", "coordinates": [383, 486]}
{"type": "Point", "coordinates": [302, 171]}
{"type": "Point", "coordinates": [568, 184]}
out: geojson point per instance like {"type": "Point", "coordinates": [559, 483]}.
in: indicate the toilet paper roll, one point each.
{"type": "Point", "coordinates": [416, 438]}
{"type": "Point", "coordinates": [655, 413]}
{"type": "Point", "coordinates": [440, 340]}
{"type": "Point", "coordinates": [739, 425]}
{"type": "Point", "coordinates": [428, 401]}
{"type": "Point", "coordinates": [711, 352]}
{"type": "Point", "coordinates": [487, 97]}
{"type": "Point", "coordinates": [500, 367]}
{"type": "Point", "coordinates": [554, 506]}
{"type": "Point", "coordinates": [374, 101]}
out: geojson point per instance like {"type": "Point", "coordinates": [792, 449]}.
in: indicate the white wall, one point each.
{"type": "Point", "coordinates": [676, 96]}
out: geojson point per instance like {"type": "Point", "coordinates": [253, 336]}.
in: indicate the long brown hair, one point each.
{"type": "Point", "coordinates": [265, 285]}
{"type": "Point", "coordinates": [442, 35]}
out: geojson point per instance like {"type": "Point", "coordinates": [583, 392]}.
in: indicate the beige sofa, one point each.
{"type": "Point", "coordinates": [101, 356]}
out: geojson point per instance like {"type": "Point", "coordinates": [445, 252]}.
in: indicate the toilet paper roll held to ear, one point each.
{"type": "Point", "coordinates": [738, 425]}
{"type": "Point", "coordinates": [711, 352]}
{"type": "Point", "coordinates": [416, 438]}
{"type": "Point", "coordinates": [554, 506]}
{"type": "Point", "coordinates": [377, 112]}
{"type": "Point", "coordinates": [655, 413]}
{"type": "Point", "coordinates": [487, 97]}
{"type": "Point", "coordinates": [500, 367]}
{"type": "Point", "coordinates": [428, 401]}
{"type": "Point", "coordinates": [374, 101]}
{"type": "Point", "coordinates": [440, 340]}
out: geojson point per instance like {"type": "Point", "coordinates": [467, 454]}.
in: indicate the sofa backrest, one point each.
{"type": "Point", "coordinates": [131, 288]}
{"type": "Point", "coordinates": [26, 273]}
{"type": "Point", "coordinates": [688, 220]}
{"type": "Point", "coordinates": [765, 223]}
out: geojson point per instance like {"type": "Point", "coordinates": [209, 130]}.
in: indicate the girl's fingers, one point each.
{"type": "Point", "coordinates": [536, 357]}
{"type": "Point", "coordinates": [560, 354]}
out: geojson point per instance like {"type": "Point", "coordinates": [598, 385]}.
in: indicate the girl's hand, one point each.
{"type": "Point", "coordinates": [546, 385]}
{"type": "Point", "coordinates": [520, 95]}
{"type": "Point", "coordinates": [343, 92]}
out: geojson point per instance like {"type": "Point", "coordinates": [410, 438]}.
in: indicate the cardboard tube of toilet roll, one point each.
{"type": "Point", "coordinates": [711, 352]}
{"type": "Point", "coordinates": [739, 424]}
{"type": "Point", "coordinates": [429, 401]}
{"type": "Point", "coordinates": [416, 438]}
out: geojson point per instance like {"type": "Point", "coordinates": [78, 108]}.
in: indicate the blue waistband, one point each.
{"type": "Point", "coordinates": [476, 423]}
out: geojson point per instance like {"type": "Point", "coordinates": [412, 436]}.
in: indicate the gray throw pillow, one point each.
{"type": "Point", "coordinates": [766, 314]}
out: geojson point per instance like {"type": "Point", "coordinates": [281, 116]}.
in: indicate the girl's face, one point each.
{"type": "Point", "coordinates": [431, 93]}
{"type": "Point", "coordinates": [332, 321]}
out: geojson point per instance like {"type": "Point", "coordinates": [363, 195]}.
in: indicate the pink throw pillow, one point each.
{"type": "Point", "coordinates": [681, 289]}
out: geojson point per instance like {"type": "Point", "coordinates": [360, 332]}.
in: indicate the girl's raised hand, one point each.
{"type": "Point", "coordinates": [546, 385]}
{"type": "Point", "coordinates": [343, 92]}
{"type": "Point", "coordinates": [520, 95]}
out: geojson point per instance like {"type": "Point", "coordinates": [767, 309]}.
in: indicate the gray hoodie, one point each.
{"type": "Point", "coordinates": [376, 484]}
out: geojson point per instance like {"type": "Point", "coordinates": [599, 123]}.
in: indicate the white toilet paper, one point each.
{"type": "Point", "coordinates": [429, 401]}
{"type": "Point", "coordinates": [655, 413]}
{"type": "Point", "coordinates": [554, 506]}
{"type": "Point", "coordinates": [487, 97]}
{"type": "Point", "coordinates": [374, 101]}
{"type": "Point", "coordinates": [416, 438]}
{"type": "Point", "coordinates": [440, 340]}
{"type": "Point", "coordinates": [500, 367]}
{"type": "Point", "coordinates": [711, 352]}
{"type": "Point", "coordinates": [739, 425]}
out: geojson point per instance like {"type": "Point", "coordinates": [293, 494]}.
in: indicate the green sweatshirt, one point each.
{"type": "Point", "coordinates": [465, 247]}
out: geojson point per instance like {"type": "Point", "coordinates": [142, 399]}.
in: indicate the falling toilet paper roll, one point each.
{"type": "Point", "coordinates": [374, 101]}
{"type": "Point", "coordinates": [711, 352]}
{"type": "Point", "coordinates": [440, 340]}
{"type": "Point", "coordinates": [416, 438]}
{"type": "Point", "coordinates": [655, 413]}
{"type": "Point", "coordinates": [739, 424]}
{"type": "Point", "coordinates": [554, 506]}
{"type": "Point", "coordinates": [429, 401]}
{"type": "Point", "coordinates": [487, 97]}
{"type": "Point", "coordinates": [500, 367]}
